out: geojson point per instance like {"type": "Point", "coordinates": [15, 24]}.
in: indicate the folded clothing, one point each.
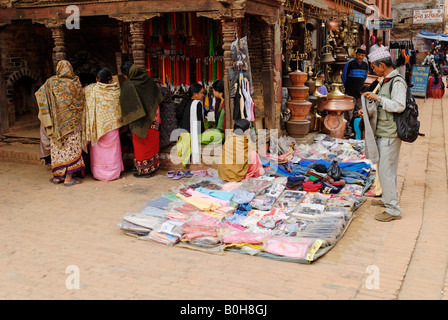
{"type": "Point", "coordinates": [311, 186]}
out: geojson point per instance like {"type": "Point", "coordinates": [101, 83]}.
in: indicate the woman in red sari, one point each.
{"type": "Point", "coordinates": [140, 98]}
{"type": "Point", "coordinates": [436, 88]}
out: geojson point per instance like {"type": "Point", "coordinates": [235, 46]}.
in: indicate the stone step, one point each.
{"type": "Point", "coordinates": [20, 152]}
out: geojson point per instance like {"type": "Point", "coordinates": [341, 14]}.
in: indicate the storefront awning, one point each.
{"type": "Point", "coordinates": [433, 36]}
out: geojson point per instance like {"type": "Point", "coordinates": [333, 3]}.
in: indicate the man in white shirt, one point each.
{"type": "Point", "coordinates": [377, 45]}
{"type": "Point", "coordinates": [383, 146]}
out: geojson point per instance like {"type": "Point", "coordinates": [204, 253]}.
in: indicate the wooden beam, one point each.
{"type": "Point", "coordinates": [112, 8]}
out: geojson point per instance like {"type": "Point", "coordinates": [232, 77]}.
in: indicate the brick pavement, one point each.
{"type": "Point", "coordinates": [46, 230]}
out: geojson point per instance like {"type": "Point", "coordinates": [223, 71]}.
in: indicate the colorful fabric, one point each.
{"type": "Point", "coordinates": [61, 102]}
{"type": "Point", "coordinates": [146, 151]}
{"type": "Point", "coordinates": [236, 157]}
{"type": "Point", "coordinates": [102, 113]}
{"type": "Point", "coordinates": [140, 98]}
{"type": "Point", "coordinates": [68, 158]}
{"type": "Point", "coordinates": [106, 162]}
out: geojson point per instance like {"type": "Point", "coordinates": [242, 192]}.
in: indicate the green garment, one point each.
{"type": "Point", "coordinates": [140, 98]}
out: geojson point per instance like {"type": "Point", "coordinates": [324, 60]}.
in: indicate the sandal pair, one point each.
{"type": "Point", "coordinates": [179, 174]}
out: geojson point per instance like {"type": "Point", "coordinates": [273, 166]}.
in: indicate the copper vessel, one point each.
{"type": "Point", "coordinates": [298, 128]}
{"type": "Point", "coordinates": [299, 109]}
{"type": "Point", "coordinates": [298, 78]}
{"type": "Point", "coordinates": [298, 92]}
{"type": "Point", "coordinates": [337, 105]}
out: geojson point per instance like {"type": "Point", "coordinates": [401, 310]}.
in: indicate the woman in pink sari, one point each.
{"type": "Point", "coordinates": [101, 122]}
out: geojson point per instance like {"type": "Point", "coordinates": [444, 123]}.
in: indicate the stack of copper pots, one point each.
{"type": "Point", "coordinates": [298, 126]}
{"type": "Point", "coordinates": [335, 103]}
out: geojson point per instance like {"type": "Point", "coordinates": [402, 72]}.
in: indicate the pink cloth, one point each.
{"type": "Point", "coordinates": [256, 167]}
{"type": "Point", "coordinates": [289, 246]}
{"type": "Point", "coordinates": [106, 161]}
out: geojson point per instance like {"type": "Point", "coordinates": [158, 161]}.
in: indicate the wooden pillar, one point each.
{"type": "Point", "coordinates": [228, 30]}
{"type": "Point", "coordinates": [4, 115]}
{"type": "Point", "coordinates": [138, 43]}
{"type": "Point", "coordinates": [56, 27]}
{"type": "Point", "coordinates": [268, 77]}
{"type": "Point", "coordinates": [59, 44]}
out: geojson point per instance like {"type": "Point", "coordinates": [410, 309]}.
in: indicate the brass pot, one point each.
{"type": "Point", "coordinates": [298, 92]}
{"type": "Point", "coordinates": [299, 109]}
{"type": "Point", "coordinates": [298, 78]}
{"type": "Point", "coordinates": [336, 93]}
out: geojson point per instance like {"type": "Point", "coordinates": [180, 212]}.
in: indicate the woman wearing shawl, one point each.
{"type": "Point", "coordinates": [191, 119]}
{"type": "Point", "coordinates": [61, 102]}
{"type": "Point", "coordinates": [240, 159]}
{"type": "Point", "coordinates": [101, 122]}
{"type": "Point", "coordinates": [436, 87]}
{"type": "Point", "coordinates": [140, 98]}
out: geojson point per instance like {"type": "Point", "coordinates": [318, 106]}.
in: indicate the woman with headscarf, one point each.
{"type": "Point", "coordinates": [101, 123]}
{"type": "Point", "coordinates": [61, 102]}
{"type": "Point", "coordinates": [140, 98]}
{"type": "Point", "coordinates": [436, 87]}
{"type": "Point", "coordinates": [240, 159]}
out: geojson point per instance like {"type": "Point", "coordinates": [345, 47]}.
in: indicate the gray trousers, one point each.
{"type": "Point", "coordinates": [389, 152]}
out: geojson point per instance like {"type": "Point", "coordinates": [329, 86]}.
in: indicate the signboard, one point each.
{"type": "Point", "coordinates": [376, 24]}
{"type": "Point", "coordinates": [421, 44]}
{"type": "Point", "coordinates": [419, 79]}
{"type": "Point", "coordinates": [428, 16]}
{"type": "Point", "coordinates": [359, 17]}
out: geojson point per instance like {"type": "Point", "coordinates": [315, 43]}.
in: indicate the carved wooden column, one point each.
{"type": "Point", "coordinates": [137, 23]}
{"type": "Point", "coordinates": [268, 79]}
{"type": "Point", "coordinates": [4, 119]}
{"type": "Point", "coordinates": [56, 27]}
{"type": "Point", "coordinates": [228, 31]}
{"type": "Point", "coordinates": [59, 44]}
{"type": "Point", "coordinates": [138, 43]}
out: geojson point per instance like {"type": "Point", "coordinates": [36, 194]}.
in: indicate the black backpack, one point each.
{"type": "Point", "coordinates": [407, 122]}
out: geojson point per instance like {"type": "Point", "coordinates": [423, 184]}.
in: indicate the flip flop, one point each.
{"type": "Point", "coordinates": [179, 175]}
{"type": "Point", "coordinates": [144, 175]}
{"type": "Point", "coordinates": [188, 174]}
{"type": "Point", "coordinates": [170, 174]}
{"type": "Point", "coordinates": [75, 181]}
{"type": "Point", "coordinates": [55, 182]}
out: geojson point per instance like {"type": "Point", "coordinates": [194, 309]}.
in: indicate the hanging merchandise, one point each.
{"type": "Point", "coordinates": [241, 64]}
{"type": "Point", "coordinates": [177, 40]}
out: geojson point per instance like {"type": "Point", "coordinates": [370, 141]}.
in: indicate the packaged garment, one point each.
{"type": "Point", "coordinates": [149, 222]}
{"type": "Point", "coordinates": [316, 198]}
{"type": "Point", "coordinates": [205, 242]}
{"type": "Point", "coordinates": [293, 247]}
{"type": "Point", "coordinates": [352, 189]}
{"type": "Point", "coordinates": [309, 211]}
{"type": "Point", "coordinates": [257, 185]}
{"type": "Point", "coordinates": [200, 225]}
{"type": "Point", "coordinates": [292, 226]}
{"type": "Point", "coordinates": [160, 203]}
{"type": "Point", "coordinates": [245, 237]}
{"type": "Point", "coordinates": [128, 226]}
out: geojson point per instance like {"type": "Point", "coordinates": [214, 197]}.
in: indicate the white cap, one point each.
{"type": "Point", "coordinates": [379, 54]}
